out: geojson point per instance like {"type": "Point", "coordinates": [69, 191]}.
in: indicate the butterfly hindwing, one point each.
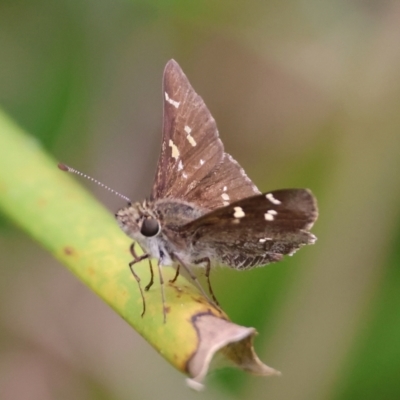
{"type": "Point", "coordinates": [256, 230]}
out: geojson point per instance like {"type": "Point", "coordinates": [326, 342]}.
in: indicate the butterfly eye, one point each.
{"type": "Point", "coordinates": [150, 227]}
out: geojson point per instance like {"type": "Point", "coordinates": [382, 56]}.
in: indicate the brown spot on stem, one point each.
{"type": "Point", "coordinates": [69, 251]}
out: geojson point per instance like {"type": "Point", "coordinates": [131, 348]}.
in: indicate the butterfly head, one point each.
{"type": "Point", "coordinates": [138, 221]}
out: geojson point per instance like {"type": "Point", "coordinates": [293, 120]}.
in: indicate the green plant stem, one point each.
{"type": "Point", "coordinates": [65, 219]}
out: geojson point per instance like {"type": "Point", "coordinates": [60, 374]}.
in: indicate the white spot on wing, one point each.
{"type": "Point", "coordinates": [272, 212]}
{"type": "Point", "coordinates": [239, 213]}
{"type": "Point", "coordinates": [175, 151]}
{"type": "Point", "coordinates": [272, 199]}
{"type": "Point", "coordinates": [191, 140]}
{"type": "Point", "coordinates": [171, 101]}
{"type": "Point", "coordinates": [225, 196]}
{"type": "Point", "coordinates": [189, 137]}
{"type": "Point", "coordinates": [201, 162]}
{"type": "Point", "coordinates": [225, 188]}
{"type": "Point", "coordinates": [268, 217]}
{"type": "Point", "coordinates": [180, 165]}
{"type": "Point", "coordinates": [184, 175]}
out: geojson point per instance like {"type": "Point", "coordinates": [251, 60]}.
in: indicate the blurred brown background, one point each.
{"type": "Point", "coordinates": [305, 94]}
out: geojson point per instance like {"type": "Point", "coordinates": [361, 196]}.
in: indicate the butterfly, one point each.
{"type": "Point", "coordinates": [203, 209]}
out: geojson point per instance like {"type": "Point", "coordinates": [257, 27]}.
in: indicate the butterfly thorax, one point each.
{"type": "Point", "coordinates": [155, 225]}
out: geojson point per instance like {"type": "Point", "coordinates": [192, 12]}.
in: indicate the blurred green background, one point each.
{"type": "Point", "coordinates": [305, 94]}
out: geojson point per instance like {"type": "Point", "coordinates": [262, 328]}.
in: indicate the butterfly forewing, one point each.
{"type": "Point", "coordinates": [192, 165]}
{"type": "Point", "coordinates": [191, 147]}
{"type": "Point", "coordinates": [224, 185]}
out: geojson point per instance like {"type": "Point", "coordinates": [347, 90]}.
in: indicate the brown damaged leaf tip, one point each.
{"type": "Point", "coordinates": [233, 342]}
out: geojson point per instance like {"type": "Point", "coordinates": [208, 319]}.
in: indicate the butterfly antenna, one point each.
{"type": "Point", "coordinates": [66, 168]}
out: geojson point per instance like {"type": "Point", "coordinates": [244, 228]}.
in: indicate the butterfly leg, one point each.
{"type": "Point", "coordinates": [207, 261]}
{"type": "Point", "coordinates": [150, 284]}
{"type": "Point", "coordinates": [162, 290]}
{"type": "Point", "coordinates": [137, 259]}
{"type": "Point", "coordinates": [135, 256]}
{"type": "Point", "coordinates": [136, 276]}
{"type": "Point", "coordinates": [194, 278]}
{"type": "Point", "coordinates": [131, 264]}
{"type": "Point", "coordinates": [176, 274]}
